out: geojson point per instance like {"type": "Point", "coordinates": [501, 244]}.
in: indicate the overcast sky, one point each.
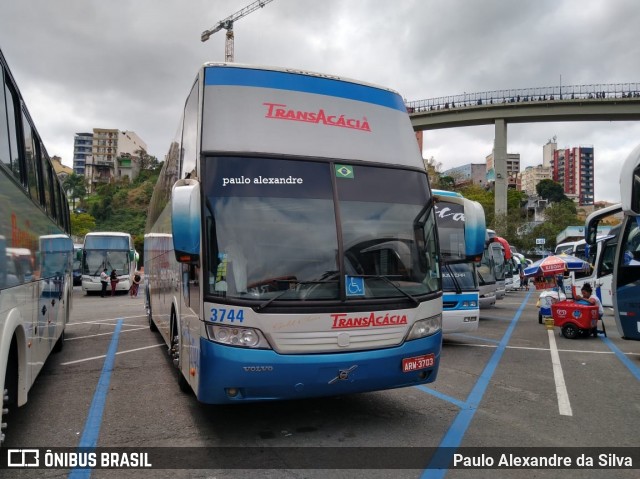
{"type": "Point", "coordinates": [84, 64]}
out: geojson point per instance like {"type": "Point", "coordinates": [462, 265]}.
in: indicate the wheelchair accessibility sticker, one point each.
{"type": "Point", "coordinates": [354, 285]}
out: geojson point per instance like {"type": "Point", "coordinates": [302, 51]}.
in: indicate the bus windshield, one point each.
{"type": "Point", "coordinates": [257, 210]}
{"type": "Point", "coordinates": [97, 260]}
{"type": "Point", "coordinates": [487, 268]}
{"type": "Point", "coordinates": [459, 277]}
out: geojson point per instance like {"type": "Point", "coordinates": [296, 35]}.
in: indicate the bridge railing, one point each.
{"type": "Point", "coordinates": [593, 92]}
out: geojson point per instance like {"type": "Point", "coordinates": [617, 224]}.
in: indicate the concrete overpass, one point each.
{"type": "Point", "coordinates": [599, 102]}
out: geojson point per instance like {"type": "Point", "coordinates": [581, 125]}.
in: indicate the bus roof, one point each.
{"type": "Point", "coordinates": [447, 193]}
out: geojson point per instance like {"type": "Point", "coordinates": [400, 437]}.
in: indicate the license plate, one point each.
{"type": "Point", "coordinates": [418, 362]}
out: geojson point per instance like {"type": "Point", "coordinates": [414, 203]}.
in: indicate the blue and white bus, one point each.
{"type": "Point", "coordinates": [303, 240]}
{"type": "Point", "coordinates": [461, 233]}
{"type": "Point", "coordinates": [625, 283]}
{"type": "Point", "coordinates": [108, 250]}
{"type": "Point", "coordinates": [35, 251]}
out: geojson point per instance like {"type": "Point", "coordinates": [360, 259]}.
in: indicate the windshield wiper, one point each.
{"type": "Point", "coordinates": [456, 284]}
{"type": "Point", "coordinates": [386, 279]}
{"type": "Point", "coordinates": [322, 280]}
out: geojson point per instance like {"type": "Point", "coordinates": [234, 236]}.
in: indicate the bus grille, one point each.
{"type": "Point", "coordinates": [328, 341]}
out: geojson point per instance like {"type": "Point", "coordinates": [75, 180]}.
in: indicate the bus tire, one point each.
{"type": "Point", "coordinates": [59, 343]}
{"type": "Point", "coordinates": [10, 387]}
{"type": "Point", "coordinates": [183, 384]}
{"type": "Point", "coordinates": [152, 325]}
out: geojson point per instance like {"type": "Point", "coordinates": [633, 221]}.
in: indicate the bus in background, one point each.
{"type": "Point", "coordinates": [601, 257]}
{"type": "Point", "coordinates": [502, 255]}
{"type": "Point", "coordinates": [486, 271]}
{"type": "Point", "coordinates": [626, 265]}
{"type": "Point", "coordinates": [77, 264]}
{"type": "Point", "coordinates": [304, 240]}
{"type": "Point", "coordinates": [108, 250]}
{"type": "Point", "coordinates": [581, 250]}
{"type": "Point", "coordinates": [34, 211]}
{"type": "Point", "coordinates": [461, 233]}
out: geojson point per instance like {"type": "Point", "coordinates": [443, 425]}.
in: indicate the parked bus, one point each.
{"type": "Point", "coordinates": [626, 265]}
{"type": "Point", "coordinates": [486, 272]}
{"type": "Point", "coordinates": [461, 232]}
{"type": "Point", "coordinates": [34, 238]}
{"type": "Point", "coordinates": [502, 255]}
{"type": "Point", "coordinates": [601, 257]}
{"type": "Point", "coordinates": [581, 250]}
{"type": "Point", "coordinates": [108, 250]}
{"type": "Point", "coordinates": [304, 240]}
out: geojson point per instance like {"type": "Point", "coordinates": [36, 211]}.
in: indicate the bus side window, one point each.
{"type": "Point", "coordinates": [14, 135]}
{"type": "Point", "coordinates": [34, 173]}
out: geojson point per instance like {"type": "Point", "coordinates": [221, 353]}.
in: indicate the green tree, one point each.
{"type": "Point", "coordinates": [557, 217]}
{"type": "Point", "coordinates": [76, 187]}
{"type": "Point", "coordinates": [550, 190]}
{"type": "Point", "coordinates": [82, 223]}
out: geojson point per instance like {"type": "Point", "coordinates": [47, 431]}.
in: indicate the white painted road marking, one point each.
{"type": "Point", "coordinates": [564, 406]}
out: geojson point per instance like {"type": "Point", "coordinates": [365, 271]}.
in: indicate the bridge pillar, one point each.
{"type": "Point", "coordinates": [500, 168]}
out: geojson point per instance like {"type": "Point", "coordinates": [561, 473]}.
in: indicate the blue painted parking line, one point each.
{"type": "Point", "coordinates": [635, 370]}
{"type": "Point", "coordinates": [444, 397]}
{"type": "Point", "coordinates": [458, 428]}
{"type": "Point", "coordinates": [91, 431]}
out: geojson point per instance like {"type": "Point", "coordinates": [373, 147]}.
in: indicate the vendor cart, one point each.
{"type": "Point", "coordinates": [575, 318]}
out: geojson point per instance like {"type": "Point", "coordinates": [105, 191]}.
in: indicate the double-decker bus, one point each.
{"type": "Point", "coordinates": [625, 283]}
{"type": "Point", "coordinates": [461, 233]}
{"type": "Point", "coordinates": [111, 251]}
{"type": "Point", "coordinates": [304, 249]}
{"type": "Point", "coordinates": [35, 251]}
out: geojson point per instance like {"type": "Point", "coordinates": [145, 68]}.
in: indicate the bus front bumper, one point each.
{"type": "Point", "coordinates": [230, 375]}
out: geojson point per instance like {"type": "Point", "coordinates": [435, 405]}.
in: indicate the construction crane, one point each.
{"type": "Point", "coordinates": [227, 24]}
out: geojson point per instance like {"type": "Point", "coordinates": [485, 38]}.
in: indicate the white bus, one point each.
{"type": "Point", "coordinates": [461, 232]}
{"type": "Point", "coordinates": [304, 244]}
{"type": "Point", "coordinates": [601, 256]}
{"type": "Point", "coordinates": [626, 262]}
{"type": "Point", "coordinates": [111, 251]}
{"type": "Point", "coordinates": [35, 251]}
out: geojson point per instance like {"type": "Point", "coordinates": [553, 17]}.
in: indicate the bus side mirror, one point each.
{"type": "Point", "coordinates": [79, 255]}
{"type": "Point", "coordinates": [185, 220]}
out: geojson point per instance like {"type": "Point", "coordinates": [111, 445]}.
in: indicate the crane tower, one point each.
{"type": "Point", "coordinates": [227, 24]}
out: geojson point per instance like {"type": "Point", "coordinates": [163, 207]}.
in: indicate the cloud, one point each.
{"type": "Point", "coordinates": [130, 65]}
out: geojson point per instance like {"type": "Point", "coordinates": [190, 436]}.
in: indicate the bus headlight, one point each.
{"type": "Point", "coordinates": [470, 304]}
{"type": "Point", "coordinates": [425, 327]}
{"type": "Point", "coordinates": [235, 336]}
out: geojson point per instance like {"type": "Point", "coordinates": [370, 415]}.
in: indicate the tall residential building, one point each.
{"type": "Point", "coordinates": [114, 155]}
{"type": "Point", "coordinates": [81, 149]}
{"type": "Point", "coordinates": [471, 173]}
{"type": "Point", "coordinates": [513, 169]}
{"type": "Point", "coordinates": [573, 168]}
{"type": "Point", "coordinates": [548, 150]}
{"type": "Point", "coordinates": [532, 175]}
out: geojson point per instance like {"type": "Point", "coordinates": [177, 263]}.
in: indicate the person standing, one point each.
{"type": "Point", "coordinates": [104, 280]}
{"type": "Point", "coordinates": [114, 281]}
{"type": "Point", "coordinates": [136, 284]}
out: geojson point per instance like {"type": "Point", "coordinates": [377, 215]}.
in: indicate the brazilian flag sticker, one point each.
{"type": "Point", "coordinates": [344, 171]}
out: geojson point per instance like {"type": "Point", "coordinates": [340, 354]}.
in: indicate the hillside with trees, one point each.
{"type": "Point", "coordinates": [115, 206]}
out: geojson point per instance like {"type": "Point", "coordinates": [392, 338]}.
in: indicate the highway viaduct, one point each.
{"type": "Point", "coordinates": [599, 102]}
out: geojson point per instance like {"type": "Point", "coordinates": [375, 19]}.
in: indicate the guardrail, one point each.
{"type": "Point", "coordinates": [595, 92]}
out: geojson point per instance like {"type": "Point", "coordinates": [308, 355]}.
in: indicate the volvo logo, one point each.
{"type": "Point", "coordinates": [343, 374]}
{"type": "Point", "coordinates": [257, 369]}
